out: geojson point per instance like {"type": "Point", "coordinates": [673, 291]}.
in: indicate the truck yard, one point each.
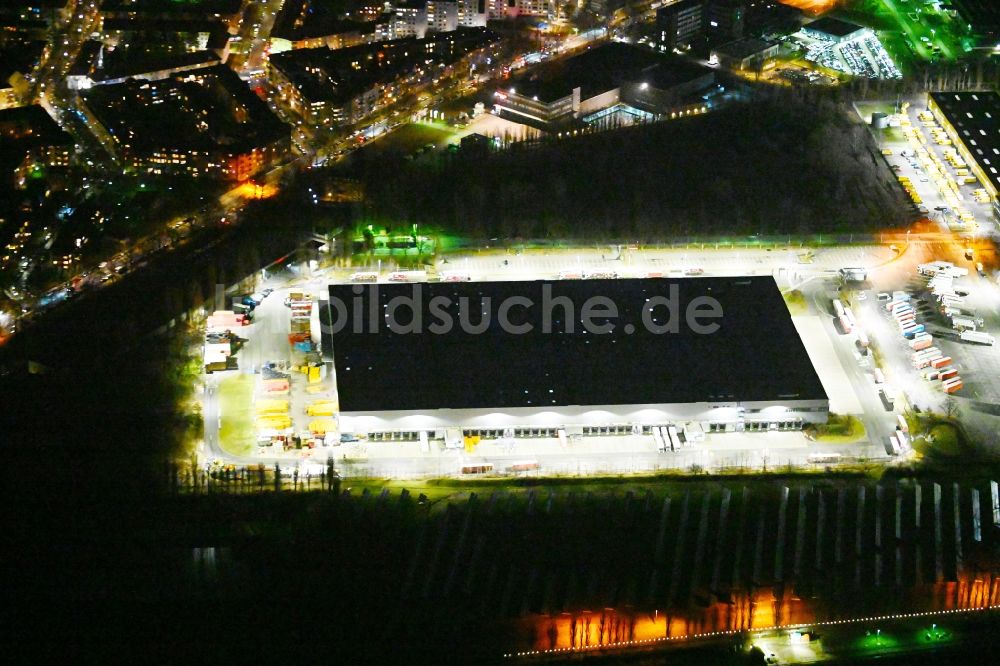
{"type": "Point", "coordinates": [912, 319]}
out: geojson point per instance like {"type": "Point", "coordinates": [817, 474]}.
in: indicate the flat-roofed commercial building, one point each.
{"type": "Point", "coordinates": [834, 30]}
{"type": "Point", "coordinates": [609, 74]}
{"type": "Point", "coordinates": [972, 120]}
{"type": "Point", "coordinates": [745, 54]}
{"type": "Point", "coordinates": [518, 360]}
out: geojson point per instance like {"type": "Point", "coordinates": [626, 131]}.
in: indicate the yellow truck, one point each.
{"type": "Point", "coordinates": [274, 422]}
{"type": "Point", "coordinates": [269, 406]}
{"type": "Point", "coordinates": [322, 426]}
{"type": "Point", "coordinates": [322, 408]}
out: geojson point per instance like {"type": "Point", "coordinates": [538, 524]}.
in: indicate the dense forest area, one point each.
{"type": "Point", "coordinates": [777, 166]}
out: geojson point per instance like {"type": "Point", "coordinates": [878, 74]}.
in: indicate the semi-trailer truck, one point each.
{"type": "Point", "coordinates": [978, 337]}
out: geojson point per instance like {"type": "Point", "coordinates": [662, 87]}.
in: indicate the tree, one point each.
{"type": "Point", "coordinates": [950, 407]}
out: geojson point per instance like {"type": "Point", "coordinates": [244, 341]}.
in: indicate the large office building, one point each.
{"type": "Point", "coordinates": [525, 359]}
{"type": "Point", "coordinates": [680, 23]}
{"type": "Point", "coordinates": [610, 74]}
{"type": "Point", "coordinates": [972, 120]}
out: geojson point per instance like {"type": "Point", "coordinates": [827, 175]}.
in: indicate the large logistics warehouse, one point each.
{"type": "Point", "coordinates": [972, 121]}
{"type": "Point", "coordinates": [518, 360]}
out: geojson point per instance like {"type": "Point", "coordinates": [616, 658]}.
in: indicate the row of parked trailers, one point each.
{"type": "Point", "coordinates": [667, 438]}
{"type": "Point", "coordinates": [924, 353]}
{"type": "Point", "coordinates": [848, 323]}
{"type": "Point", "coordinates": [899, 441]}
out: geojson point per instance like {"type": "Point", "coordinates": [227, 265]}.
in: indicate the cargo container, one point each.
{"type": "Point", "coordinates": [845, 323]}
{"type": "Point", "coordinates": [947, 373]}
{"type": "Point", "coordinates": [364, 276]}
{"type": "Point", "coordinates": [941, 362]}
{"type": "Point", "coordinates": [903, 425]}
{"type": "Point", "coordinates": [838, 307]}
{"type": "Point", "coordinates": [863, 340]}
{"type": "Point", "coordinates": [930, 374]}
{"type": "Point", "coordinates": [849, 313]}
{"type": "Point", "coordinates": [924, 360]}
{"type": "Point", "coordinates": [275, 385]}
{"type": "Point", "coordinates": [903, 312]}
{"type": "Point", "coordinates": [923, 363]}
{"type": "Point", "coordinates": [886, 400]}
{"type": "Point", "coordinates": [952, 385]}
{"type": "Point", "coordinates": [900, 296]}
{"type": "Point", "coordinates": [978, 337]}
{"type": "Point", "coordinates": [919, 345]}
{"type": "Point", "coordinates": [879, 376]}
{"type": "Point", "coordinates": [910, 331]}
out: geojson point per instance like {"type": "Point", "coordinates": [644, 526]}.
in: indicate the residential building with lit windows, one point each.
{"type": "Point", "coordinates": [31, 142]}
{"type": "Point", "coordinates": [205, 123]}
{"type": "Point", "coordinates": [410, 19]}
{"type": "Point", "coordinates": [972, 121]}
{"type": "Point", "coordinates": [442, 15]}
{"type": "Point", "coordinates": [339, 87]}
{"type": "Point", "coordinates": [229, 12]}
{"type": "Point", "coordinates": [472, 13]}
{"type": "Point", "coordinates": [19, 60]}
{"type": "Point", "coordinates": [307, 24]}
